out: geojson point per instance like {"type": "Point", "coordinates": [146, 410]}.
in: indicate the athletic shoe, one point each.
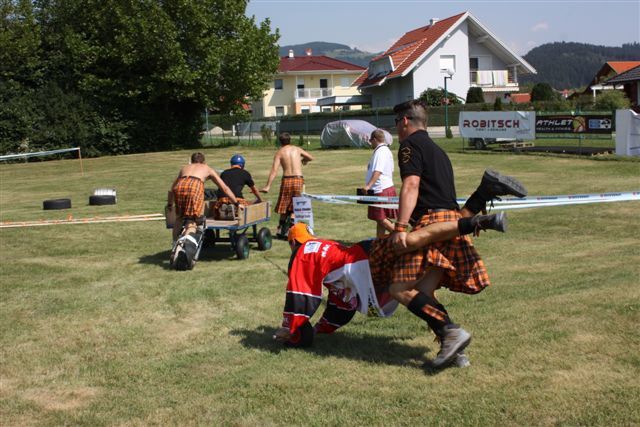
{"type": "Point", "coordinates": [461, 360]}
{"type": "Point", "coordinates": [496, 222]}
{"type": "Point", "coordinates": [453, 341]}
{"type": "Point", "coordinates": [495, 184]}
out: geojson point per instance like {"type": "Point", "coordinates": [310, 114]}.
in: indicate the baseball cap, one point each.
{"type": "Point", "coordinates": [300, 232]}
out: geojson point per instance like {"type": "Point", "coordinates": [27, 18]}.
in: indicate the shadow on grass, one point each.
{"type": "Point", "coordinates": [356, 346]}
{"type": "Point", "coordinates": [216, 253]}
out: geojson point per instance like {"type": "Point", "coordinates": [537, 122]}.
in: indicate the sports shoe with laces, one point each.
{"type": "Point", "coordinates": [453, 340]}
{"type": "Point", "coordinates": [495, 184]}
{"type": "Point", "coordinates": [460, 360]}
{"type": "Point", "coordinates": [496, 222]}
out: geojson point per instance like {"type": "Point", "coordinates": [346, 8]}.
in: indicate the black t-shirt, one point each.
{"type": "Point", "coordinates": [420, 156]}
{"type": "Point", "coordinates": [236, 179]}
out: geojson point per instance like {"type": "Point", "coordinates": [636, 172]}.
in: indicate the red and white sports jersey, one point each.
{"type": "Point", "coordinates": [343, 270]}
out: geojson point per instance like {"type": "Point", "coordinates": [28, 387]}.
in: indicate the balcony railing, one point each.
{"type": "Point", "coordinates": [492, 78]}
{"type": "Point", "coordinates": [313, 93]}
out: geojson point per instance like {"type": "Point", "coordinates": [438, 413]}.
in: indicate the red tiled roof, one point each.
{"type": "Point", "coordinates": [520, 98]}
{"type": "Point", "coordinates": [622, 66]}
{"type": "Point", "coordinates": [409, 48]}
{"type": "Point", "coordinates": [315, 63]}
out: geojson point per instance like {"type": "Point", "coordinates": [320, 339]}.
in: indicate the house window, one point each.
{"type": "Point", "coordinates": [279, 111]}
{"type": "Point", "coordinates": [473, 64]}
{"type": "Point", "coordinates": [346, 107]}
{"type": "Point", "coordinates": [326, 109]}
{"type": "Point", "coordinates": [345, 81]}
{"type": "Point", "coordinates": [305, 109]}
{"type": "Point", "coordinates": [324, 83]}
{"type": "Point", "coordinates": [300, 83]}
{"type": "Point", "coordinates": [277, 84]}
{"type": "Point", "coordinates": [447, 62]}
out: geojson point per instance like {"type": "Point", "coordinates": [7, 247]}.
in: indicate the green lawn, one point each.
{"type": "Point", "coordinates": [97, 330]}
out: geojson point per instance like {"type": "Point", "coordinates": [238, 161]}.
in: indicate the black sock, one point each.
{"type": "Point", "coordinates": [431, 311]}
{"type": "Point", "coordinates": [476, 202]}
{"type": "Point", "coordinates": [465, 226]}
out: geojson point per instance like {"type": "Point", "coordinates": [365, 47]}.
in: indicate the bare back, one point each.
{"type": "Point", "coordinates": [290, 158]}
{"type": "Point", "coordinates": [199, 170]}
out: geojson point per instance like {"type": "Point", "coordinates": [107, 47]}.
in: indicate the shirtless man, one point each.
{"type": "Point", "coordinates": [291, 158]}
{"type": "Point", "coordinates": [188, 192]}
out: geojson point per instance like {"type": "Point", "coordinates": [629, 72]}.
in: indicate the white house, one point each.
{"type": "Point", "coordinates": [460, 49]}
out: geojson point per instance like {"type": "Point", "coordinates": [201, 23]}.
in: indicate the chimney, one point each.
{"type": "Point", "coordinates": [290, 53]}
{"type": "Point", "coordinates": [308, 51]}
{"type": "Point", "coordinates": [433, 21]}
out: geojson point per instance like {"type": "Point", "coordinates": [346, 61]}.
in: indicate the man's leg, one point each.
{"type": "Point", "coordinates": [441, 231]}
{"type": "Point", "coordinates": [453, 339]}
{"type": "Point", "coordinates": [492, 186]}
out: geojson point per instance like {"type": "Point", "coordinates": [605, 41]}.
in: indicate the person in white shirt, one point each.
{"type": "Point", "coordinates": [379, 181]}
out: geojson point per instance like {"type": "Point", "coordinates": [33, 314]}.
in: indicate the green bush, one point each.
{"type": "Point", "coordinates": [435, 97]}
{"type": "Point", "coordinates": [497, 104]}
{"type": "Point", "coordinates": [610, 100]}
{"type": "Point", "coordinates": [267, 134]}
{"type": "Point", "coordinates": [475, 95]}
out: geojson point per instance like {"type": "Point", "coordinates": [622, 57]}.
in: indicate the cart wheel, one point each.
{"type": "Point", "coordinates": [264, 239]}
{"type": "Point", "coordinates": [480, 144]}
{"type": "Point", "coordinates": [242, 247]}
{"type": "Point", "coordinates": [209, 238]}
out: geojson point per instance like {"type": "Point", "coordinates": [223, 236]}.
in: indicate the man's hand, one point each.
{"type": "Point", "coordinates": [399, 239]}
{"type": "Point", "coordinates": [282, 335]}
{"type": "Point", "coordinates": [264, 190]}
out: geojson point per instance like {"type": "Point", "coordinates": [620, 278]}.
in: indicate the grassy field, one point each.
{"type": "Point", "coordinates": [97, 330]}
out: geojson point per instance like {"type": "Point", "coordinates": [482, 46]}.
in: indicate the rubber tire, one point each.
{"type": "Point", "coordinates": [242, 247]}
{"type": "Point", "coordinates": [480, 144]}
{"type": "Point", "coordinates": [102, 200]}
{"type": "Point", "coordinates": [264, 239]}
{"type": "Point", "coordinates": [56, 204]}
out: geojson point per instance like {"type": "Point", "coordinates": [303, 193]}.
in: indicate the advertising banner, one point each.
{"type": "Point", "coordinates": [574, 123]}
{"type": "Point", "coordinates": [497, 124]}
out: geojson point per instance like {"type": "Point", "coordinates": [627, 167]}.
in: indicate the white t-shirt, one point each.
{"type": "Point", "coordinates": [381, 161]}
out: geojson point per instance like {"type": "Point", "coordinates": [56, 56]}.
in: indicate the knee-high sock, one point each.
{"type": "Point", "coordinates": [431, 311]}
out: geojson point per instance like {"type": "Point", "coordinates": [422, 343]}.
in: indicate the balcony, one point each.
{"type": "Point", "coordinates": [493, 79]}
{"type": "Point", "coordinates": [313, 93]}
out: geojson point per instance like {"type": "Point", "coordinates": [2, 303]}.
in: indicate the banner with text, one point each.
{"type": "Point", "coordinates": [497, 124]}
{"type": "Point", "coordinates": [574, 123]}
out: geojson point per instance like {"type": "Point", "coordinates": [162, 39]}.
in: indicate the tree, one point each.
{"type": "Point", "coordinates": [610, 100]}
{"type": "Point", "coordinates": [543, 92]}
{"type": "Point", "coordinates": [475, 95]}
{"type": "Point", "coordinates": [497, 104]}
{"type": "Point", "coordinates": [151, 67]}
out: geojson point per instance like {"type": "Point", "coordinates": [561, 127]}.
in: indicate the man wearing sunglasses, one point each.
{"type": "Point", "coordinates": [427, 197]}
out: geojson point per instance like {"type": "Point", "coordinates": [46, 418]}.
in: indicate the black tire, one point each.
{"type": "Point", "coordinates": [264, 239]}
{"type": "Point", "coordinates": [242, 247]}
{"type": "Point", "coordinates": [102, 200]}
{"type": "Point", "coordinates": [56, 204]}
{"type": "Point", "coordinates": [209, 238]}
{"type": "Point", "coordinates": [480, 144]}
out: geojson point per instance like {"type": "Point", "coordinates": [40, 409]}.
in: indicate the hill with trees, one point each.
{"type": "Point", "coordinates": [332, 50]}
{"type": "Point", "coordinates": [572, 65]}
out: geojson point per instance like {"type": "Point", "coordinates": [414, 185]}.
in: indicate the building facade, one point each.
{"type": "Point", "coordinates": [301, 81]}
{"type": "Point", "coordinates": [459, 50]}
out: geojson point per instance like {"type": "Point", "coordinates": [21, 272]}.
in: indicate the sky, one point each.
{"type": "Point", "coordinates": [374, 25]}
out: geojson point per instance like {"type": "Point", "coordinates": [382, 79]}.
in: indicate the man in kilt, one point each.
{"type": "Point", "coordinates": [428, 197]}
{"type": "Point", "coordinates": [291, 159]}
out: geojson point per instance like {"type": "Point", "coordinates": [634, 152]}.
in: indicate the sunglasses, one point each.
{"type": "Point", "coordinates": [399, 119]}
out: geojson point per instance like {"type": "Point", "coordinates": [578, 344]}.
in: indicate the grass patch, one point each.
{"type": "Point", "coordinates": [96, 330]}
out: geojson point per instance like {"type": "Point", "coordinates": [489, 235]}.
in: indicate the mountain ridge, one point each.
{"type": "Point", "coordinates": [564, 65]}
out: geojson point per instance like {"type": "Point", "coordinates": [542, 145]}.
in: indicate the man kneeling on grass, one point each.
{"type": "Point", "coordinates": [346, 271]}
